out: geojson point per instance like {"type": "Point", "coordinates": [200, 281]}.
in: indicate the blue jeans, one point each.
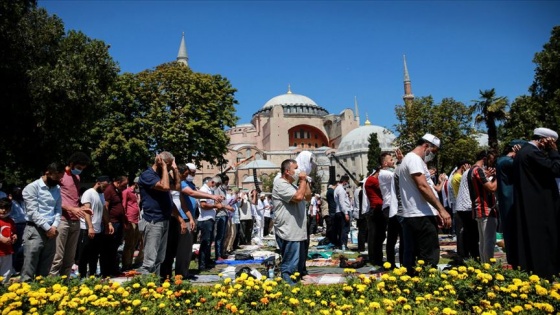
{"type": "Point", "coordinates": [221, 228]}
{"type": "Point", "coordinates": [293, 254]}
{"type": "Point", "coordinates": [206, 229]}
{"type": "Point", "coordinates": [155, 245]}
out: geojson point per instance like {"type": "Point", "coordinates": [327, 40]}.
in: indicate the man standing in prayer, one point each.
{"type": "Point", "coordinates": [534, 219]}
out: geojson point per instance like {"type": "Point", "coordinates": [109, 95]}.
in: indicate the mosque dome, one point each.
{"type": "Point", "coordinates": [290, 99]}
{"type": "Point", "coordinates": [358, 139]}
{"type": "Point", "coordinates": [293, 104]}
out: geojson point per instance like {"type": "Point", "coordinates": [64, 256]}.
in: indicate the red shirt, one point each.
{"type": "Point", "coordinates": [483, 201]}
{"type": "Point", "coordinates": [70, 193]}
{"type": "Point", "coordinates": [115, 205]}
{"type": "Point", "coordinates": [130, 203]}
{"type": "Point", "coordinates": [373, 192]}
{"type": "Point", "coordinates": [7, 228]}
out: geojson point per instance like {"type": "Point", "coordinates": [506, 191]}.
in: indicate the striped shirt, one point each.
{"type": "Point", "coordinates": [483, 201]}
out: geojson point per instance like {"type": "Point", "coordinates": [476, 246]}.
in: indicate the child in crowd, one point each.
{"type": "Point", "coordinates": [8, 237]}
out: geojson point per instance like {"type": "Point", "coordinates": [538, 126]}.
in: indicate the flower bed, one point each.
{"type": "Point", "coordinates": [475, 288]}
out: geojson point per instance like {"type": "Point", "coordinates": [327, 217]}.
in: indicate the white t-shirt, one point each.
{"type": "Point", "coordinates": [385, 181]}
{"type": "Point", "coordinates": [290, 219]}
{"type": "Point", "coordinates": [206, 214]}
{"type": "Point", "coordinates": [97, 201]}
{"type": "Point", "coordinates": [413, 203]}
{"type": "Point", "coordinates": [267, 208]}
{"type": "Point", "coordinates": [313, 209]}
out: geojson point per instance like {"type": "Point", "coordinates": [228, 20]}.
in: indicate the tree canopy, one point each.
{"type": "Point", "coordinates": [542, 107]}
{"type": "Point", "coordinates": [54, 90]}
{"type": "Point", "coordinates": [449, 120]}
{"type": "Point", "coordinates": [170, 108]}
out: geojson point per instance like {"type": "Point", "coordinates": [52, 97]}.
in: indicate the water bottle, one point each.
{"type": "Point", "coordinates": [271, 273]}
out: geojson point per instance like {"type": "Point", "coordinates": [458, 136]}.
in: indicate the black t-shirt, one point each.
{"type": "Point", "coordinates": [331, 202]}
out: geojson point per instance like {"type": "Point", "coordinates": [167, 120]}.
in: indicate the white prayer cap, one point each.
{"type": "Point", "coordinates": [546, 133]}
{"type": "Point", "coordinates": [432, 139]}
{"type": "Point", "coordinates": [191, 166]}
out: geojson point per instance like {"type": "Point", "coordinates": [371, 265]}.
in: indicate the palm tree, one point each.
{"type": "Point", "coordinates": [491, 109]}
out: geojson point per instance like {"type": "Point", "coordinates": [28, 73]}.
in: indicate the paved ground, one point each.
{"type": "Point", "coordinates": [323, 269]}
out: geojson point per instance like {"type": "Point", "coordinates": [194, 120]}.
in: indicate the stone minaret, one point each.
{"type": "Point", "coordinates": [182, 56]}
{"type": "Point", "coordinates": [356, 112]}
{"type": "Point", "coordinates": [408, 97]}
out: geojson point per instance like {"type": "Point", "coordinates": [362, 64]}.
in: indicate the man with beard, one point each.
{"type": "Point", "coordinates": [534, 219]}
{"type": "Point", "coordinates": [157, 205]}
{"type": "Point", "coordinates": [44, 207]}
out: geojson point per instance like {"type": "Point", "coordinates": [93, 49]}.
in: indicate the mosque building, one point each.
{"type": "Point", "coordinates": [289, 123]}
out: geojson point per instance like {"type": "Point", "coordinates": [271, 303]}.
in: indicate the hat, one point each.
{"type": "Point", "coordinates": [103, 178]}
{"type": "Point", "coordinates": [432, 139]}
{"type": "Point", "coordinates": [546, 133]}
{"type": "Point", "coordinates": [191, 166]}
{"type": "Point", "coordinates": [136, 179]}
{"type": "Point", "coordinates": [262, 195]}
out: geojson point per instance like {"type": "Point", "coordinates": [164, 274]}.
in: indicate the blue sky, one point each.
{"type": "Point", "coordinates": [330, 51]}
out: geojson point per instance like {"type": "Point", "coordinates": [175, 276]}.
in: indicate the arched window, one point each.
{"type": "Point", "coordinates": [248, 153]}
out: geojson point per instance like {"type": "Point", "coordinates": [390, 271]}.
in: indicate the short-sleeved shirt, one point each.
{"type": "Point", "coordinates": [114, 197]}
{"type": "Point", "coordinates": [483, 201]}
{"type": "Point", "coordinates": [414, 204]}
{"type": "Point", "coordinates": [385, 181]}
{"type": "Point", "coordinates": [97, 201]}
{"type": "Point", "coordinates": [373, 192]}
{"type": "Point", "coordinates": [70, 193]}
{"type": "Point", "coordinates": [130, 204]}
{"type": "Point", "coordinates": [290, 219]}
{"type": "Point", "coordinates": [330, 201]}
{"type": "Point", "coordinates": [206, 214]}
{"type": "Point", "coordinates": [155, 204]}
{"type": "Point", "coordinates": [463, 202]}
{"type": "Point", "coordinates": [190, 202]}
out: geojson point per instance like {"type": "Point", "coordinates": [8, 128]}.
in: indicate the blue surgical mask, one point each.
{"type": "Point", "coordinates": [76, 171]}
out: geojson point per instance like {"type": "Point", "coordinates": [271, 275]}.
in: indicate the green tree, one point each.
{"type": "Point", "coordinates": [170, 108]}
{"type": "Point", "coordinates": [449, 120]}
{"type": "Point", "coordinates": [524, 115]}
{"type": "Point", "coordinates": [374, 152]}
{"type": "Point", "coordinates": [55, 92]}
{"type": "Point", "coordinates": [546, 86]}
{"type": "Point", "coordinates": [491, 109]}
{"type": "Point", "coordinates": [542, 106]}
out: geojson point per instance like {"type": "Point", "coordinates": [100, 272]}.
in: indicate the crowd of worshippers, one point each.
{"type": "Point", "coordinates": [515, 193]}
{"type": "Point", "coordinates": [53, 226]}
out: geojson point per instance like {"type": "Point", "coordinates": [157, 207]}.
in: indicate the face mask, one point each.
{"type": "Point", "coordinates": [429, 156]}
{"type": "Point", "coordinates": [346, 185]}
{"type": "Point", "coordinates": [76, 171]}
{"type": "Point", "coordinates": [51, 182]}
{"type": "Point", "coordinates": [391, 169]}
{"type": "Point", "coordinates": [190, 178]}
